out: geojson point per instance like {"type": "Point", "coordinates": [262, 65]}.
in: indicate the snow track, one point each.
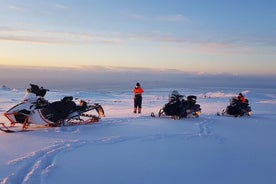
{"type": "Point", "coordinates": [33, 167]}
{"type": "Point", "coordinates": [205, 130]}
{"type": "Point", "coordinates": [142, 149]}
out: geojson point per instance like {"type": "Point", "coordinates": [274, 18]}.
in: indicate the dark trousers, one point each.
{"type": "Point", "coordinates": [138, 101]}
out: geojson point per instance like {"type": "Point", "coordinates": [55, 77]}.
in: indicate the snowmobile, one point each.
{"type": "Point", "coordinates": [35, 109]}
{"type": "Point", "coordinates": [178, 107]}
{"type": "Point", "coordinates": [237, 108]}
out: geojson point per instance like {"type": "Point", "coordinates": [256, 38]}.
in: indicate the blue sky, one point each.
{"type": "Point", "coordinates": [200, 36]}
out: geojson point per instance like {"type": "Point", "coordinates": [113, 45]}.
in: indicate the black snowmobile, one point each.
{"type": "Point", "coordinates": [178, 107]}
{"type": "Point", "coordinates": [237, 108]}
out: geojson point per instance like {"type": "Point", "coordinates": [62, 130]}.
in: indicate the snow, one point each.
{"type": "Point", "coordinates": [138, 149]}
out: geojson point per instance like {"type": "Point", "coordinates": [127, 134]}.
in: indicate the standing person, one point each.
{"type": "Point", "coordinates": [138, 90]}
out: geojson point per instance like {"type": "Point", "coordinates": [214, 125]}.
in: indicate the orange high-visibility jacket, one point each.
{"type": "Point", "coordinates": [243, 99]}
{"type": "Point", "coordinates": [138, 91]}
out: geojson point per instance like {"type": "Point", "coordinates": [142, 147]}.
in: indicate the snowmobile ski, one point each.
{"type": "Point", "coordinates": [6, 129]}
{"type": "Point", "coordinates": [165, 116]}
{"type": "Point", "coordinates": [15, 129]}
{"type": "Point", "coordinates": [224, 113]}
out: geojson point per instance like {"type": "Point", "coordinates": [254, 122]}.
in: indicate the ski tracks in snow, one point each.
{"type": "Point", "coordinates": [204, 127]}
{"type": "Point", "coordinates": [33, 167]}
{"type": "Point", "coordinates": [205, 130]}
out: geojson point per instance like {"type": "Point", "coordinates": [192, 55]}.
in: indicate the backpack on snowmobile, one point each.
{"type": "Point", "coordinates": [178, 107]}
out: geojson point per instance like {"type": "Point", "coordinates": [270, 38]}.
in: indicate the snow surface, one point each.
{"type": "Point", "coordinates": [127, 148]}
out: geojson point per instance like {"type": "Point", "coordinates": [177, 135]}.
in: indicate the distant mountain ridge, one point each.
{"type": "Point", "coordinates": [4, 87]}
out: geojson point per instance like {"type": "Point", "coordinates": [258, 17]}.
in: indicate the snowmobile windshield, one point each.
{"type": "Point", "coordinates": [30, 97]}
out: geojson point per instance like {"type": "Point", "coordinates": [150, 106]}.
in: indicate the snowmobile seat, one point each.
{"type": "Point", "coordinates": [67, 99]}
{"type": "Point", "coordinates": [61, 109]}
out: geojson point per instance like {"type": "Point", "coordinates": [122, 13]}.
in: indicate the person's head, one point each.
{"type": "Point", "coordinates": [240, 95]}
{"type": "Point", "coordinates": [137, 84]}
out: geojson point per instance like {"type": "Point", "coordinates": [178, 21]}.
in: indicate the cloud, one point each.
{"type": "Point", "coordinates": [17, 8]}
{"type": "Point", "coordinates": [156, 37]}
{"type": "Point", "coordinates": [176, 18]}
{"type": "Point", "coordinates": [30, 6]}
{"type": "Point", "coordinates": [173, 18]}
{"type": "Point", "coordinates": [210, 44]}
{"type": "Point", "coordinates": [60, 6]}
{"type": "Point", "coordinates": [53, 37]}
{"type": "Point", "coordinates": [210, 47]}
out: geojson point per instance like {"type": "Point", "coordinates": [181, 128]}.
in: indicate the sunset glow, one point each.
{"type": "Point", "coordinates": [202, 37]}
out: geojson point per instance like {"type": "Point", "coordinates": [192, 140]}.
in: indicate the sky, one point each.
{"type": "Point", "coordinates": [200, 36]}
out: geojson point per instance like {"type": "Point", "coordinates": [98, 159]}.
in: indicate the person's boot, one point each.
{"type": "Point", "coordinates": [139, 110]}
{"type": "Point", "coordinates": [134, 110]}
